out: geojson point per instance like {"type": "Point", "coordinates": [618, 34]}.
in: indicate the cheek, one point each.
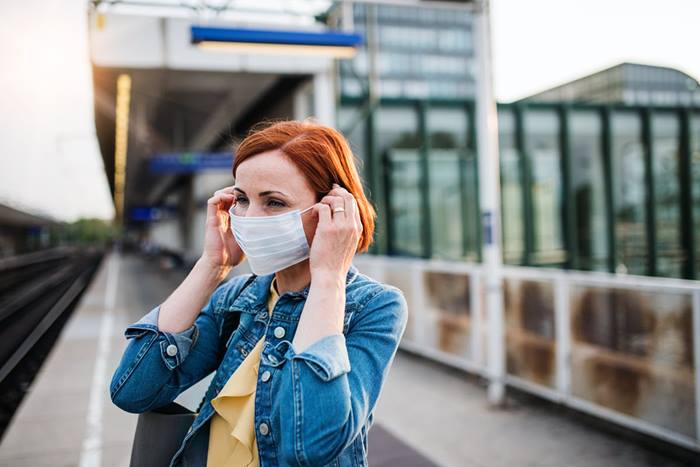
{"type": "Point", "coordinates": [309, 229]}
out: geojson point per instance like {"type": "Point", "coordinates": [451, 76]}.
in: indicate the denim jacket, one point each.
{"type": "Point", "coordinates": [312, 408]}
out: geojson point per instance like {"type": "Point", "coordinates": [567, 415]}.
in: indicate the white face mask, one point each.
{"type": "Point", "coordinates": [271, 243]}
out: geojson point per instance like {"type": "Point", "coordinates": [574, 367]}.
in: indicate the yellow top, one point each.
{"type": "Point", "coordinates": [232, 433]}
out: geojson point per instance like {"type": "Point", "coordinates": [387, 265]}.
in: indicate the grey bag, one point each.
{"type": "Point", "coordinates": [158, 435]}
{"type": "Point", "coordinates": [159, 432]}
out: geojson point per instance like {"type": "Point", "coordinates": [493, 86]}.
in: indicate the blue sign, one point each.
{"type": "Point", "coordinates": [487, 222]}
{"type": "Point", "coordinates": [152, 213]}
{"type": "Point", "coordinates": [270, 36]}
{"type": "Point", "coordinates": [190, 162]}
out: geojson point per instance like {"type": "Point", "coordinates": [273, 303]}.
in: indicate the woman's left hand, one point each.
{"type": "Point", "coordinates": [337, 234]}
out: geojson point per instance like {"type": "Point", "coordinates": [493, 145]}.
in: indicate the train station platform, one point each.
{"type": "Point", "coordinates": [427, 415]}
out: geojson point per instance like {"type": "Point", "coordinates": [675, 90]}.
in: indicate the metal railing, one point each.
{"type": "Point", "coordinates": [622, 348]}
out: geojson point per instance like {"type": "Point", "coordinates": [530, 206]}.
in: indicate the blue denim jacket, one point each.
{"type": "Point", "coordinates": [312, 408]}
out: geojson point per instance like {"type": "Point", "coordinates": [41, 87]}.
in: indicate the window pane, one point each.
{"type": "Point", "coordinates": [588, 189]}
{"type": "Point", "coordinates": [628, 193]}
{"type": "Point", "coordinates": [665, 137]}
{"type": "Point", "coordinates": [542, 137]}
{"type": "Point", "coordinates": [447, 129]}
{"type": "Point", "coordinates": [511, 194]}
{"type": "Point", "coordinates": [353, 129]}
{"type": "Point", "coordinates": [695, 174]}
{"type": "Point", "coordinates": [398, 145]}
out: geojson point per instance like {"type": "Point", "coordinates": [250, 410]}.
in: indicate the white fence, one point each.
{"type": "Point", "coordinates": [623, 348]}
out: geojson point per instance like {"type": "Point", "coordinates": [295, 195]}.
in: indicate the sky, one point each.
{"type": "Point", "coordinates": [49, 156]}
{"type": "Point", "coordinates": [538, 44]}
{"type": "Point", "coordinates": [48, 150]}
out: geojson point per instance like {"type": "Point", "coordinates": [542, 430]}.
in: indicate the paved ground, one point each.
{"type": "Point", "coordinates": [427, 415]}
{"type": "Point", "coordinates": [67, 418]}
{"type": "Point", "coordinates": [444, 414]}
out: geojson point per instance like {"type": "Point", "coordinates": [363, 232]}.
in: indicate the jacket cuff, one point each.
{"type": "Point", "coordinates": [174, 346]}
{"type": "Point", "coordinates": [327, 357]}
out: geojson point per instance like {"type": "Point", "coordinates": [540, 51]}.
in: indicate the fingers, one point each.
{"type": "Point", "coordinates": [228, 189]}
{"type": "Point", "coordinates": [348, 220]}
{"type": "Point", "coordinates": [334, 202]}
{"type": "Point", "coordinates": [324, 214]}
{"type": "Point", "coordinates": [221, 200]}
{"type": "Point", "coordinates": [223, 195]}
{"type": "Point", "coordinates": [356, 212]}
{"type": "Point", "coordinates": [352, 211]}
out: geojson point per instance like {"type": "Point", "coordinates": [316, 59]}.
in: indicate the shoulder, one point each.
{"type": "Point", "coordinates": [364, 289]}
{"type": "Point", "coordinates": [228, 290]}
{"type": "Point", "coordinates": [385, 301]}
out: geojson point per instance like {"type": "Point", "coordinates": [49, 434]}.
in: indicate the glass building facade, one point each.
{"type": "Point", "coordinates": [606, 186]}
{"type": "Point", "coordinates": [585, 187]}
{"type": "Point", "coordinates": [420, 51]}
{"type": "Point", "coordinates": [630, 84]}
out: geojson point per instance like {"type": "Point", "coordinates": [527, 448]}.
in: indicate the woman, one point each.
{"type": "Point", "coordinates": [302, 346]}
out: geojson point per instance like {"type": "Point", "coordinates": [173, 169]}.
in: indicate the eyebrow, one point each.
{"type": "Point", "coordinates": [262, 193]}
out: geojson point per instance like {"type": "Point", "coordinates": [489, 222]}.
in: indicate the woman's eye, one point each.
{"type": "Point", "coordinates": [275, 203]}
{"type": "Point", "coordinates": [241, 200]}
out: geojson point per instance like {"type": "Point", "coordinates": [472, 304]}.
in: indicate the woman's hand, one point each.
{"type": "Point", "coordinates": [332, 249]}
{"type": "Point", "coordinates": [221, 251]}
{"type": "Point", "coordinates": [337, 234]}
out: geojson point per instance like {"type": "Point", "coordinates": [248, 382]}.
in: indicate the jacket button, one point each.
{"type": "Point", "coordinates": [279, 332]}
{"type": "Point", "coordinates": [171, 350]}
{"type": "Point", "coordinates": [265, 376]}
{"type": "Point", "coordinates": [264, 429]}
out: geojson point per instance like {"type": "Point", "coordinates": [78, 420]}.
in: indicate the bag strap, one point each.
{"type": "Point", "coordinates": [230, 327]}
{"type": "Point", "coordinates": [226, 332]}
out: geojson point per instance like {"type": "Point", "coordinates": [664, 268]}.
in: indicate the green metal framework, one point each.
{"type": "Point", "coordinates": [379, 181]}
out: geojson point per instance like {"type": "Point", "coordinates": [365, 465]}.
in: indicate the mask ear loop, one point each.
{"type": "Point", "coordinates": [302, 212]}
{"type": "Point", "coordinates": [231, 209]}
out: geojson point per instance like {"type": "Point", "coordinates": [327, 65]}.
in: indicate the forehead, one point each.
{"type": "Point", "coordinates": [270, 170]}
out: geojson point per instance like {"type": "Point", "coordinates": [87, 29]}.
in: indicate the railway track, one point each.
{"type": "Point", "coordinates": [38, 292]}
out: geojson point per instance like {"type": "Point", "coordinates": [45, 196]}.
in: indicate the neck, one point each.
{"type": "Point", "coordinates": [294, 278]}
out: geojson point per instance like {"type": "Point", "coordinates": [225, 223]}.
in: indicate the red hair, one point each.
{"type": "Point", "coordinates": [321, 153]}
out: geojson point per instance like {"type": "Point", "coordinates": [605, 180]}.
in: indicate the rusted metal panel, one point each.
{"type": "Point", "coordinates": [484, 331]}
{"type": "Point", "coordinates": [632, 352]}
{"type": "Point", "coordinates": [530, 330]}
{"type": "Point", "coordinates": [448, 310]}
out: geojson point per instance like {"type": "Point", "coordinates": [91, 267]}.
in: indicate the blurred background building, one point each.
{"type": "Point", "coordinates": [562, 150]}
{"type": "Point", "coordinates": [628, 83]}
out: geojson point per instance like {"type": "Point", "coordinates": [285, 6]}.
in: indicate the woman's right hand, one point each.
{"type": "Point", "coordinates": [220, 247]}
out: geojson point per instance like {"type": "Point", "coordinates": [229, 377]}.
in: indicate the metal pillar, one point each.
{"type": "Point", "coordinates": [324, 98]}
{"type": "Point", "coordinates": [489, 196]}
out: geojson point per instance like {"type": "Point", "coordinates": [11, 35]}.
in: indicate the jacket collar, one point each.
{"type": "Point", "coordinates": [254, 297]}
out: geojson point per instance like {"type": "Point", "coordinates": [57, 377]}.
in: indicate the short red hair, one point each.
{"type": "Point", "coordinates": [321, 153]}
